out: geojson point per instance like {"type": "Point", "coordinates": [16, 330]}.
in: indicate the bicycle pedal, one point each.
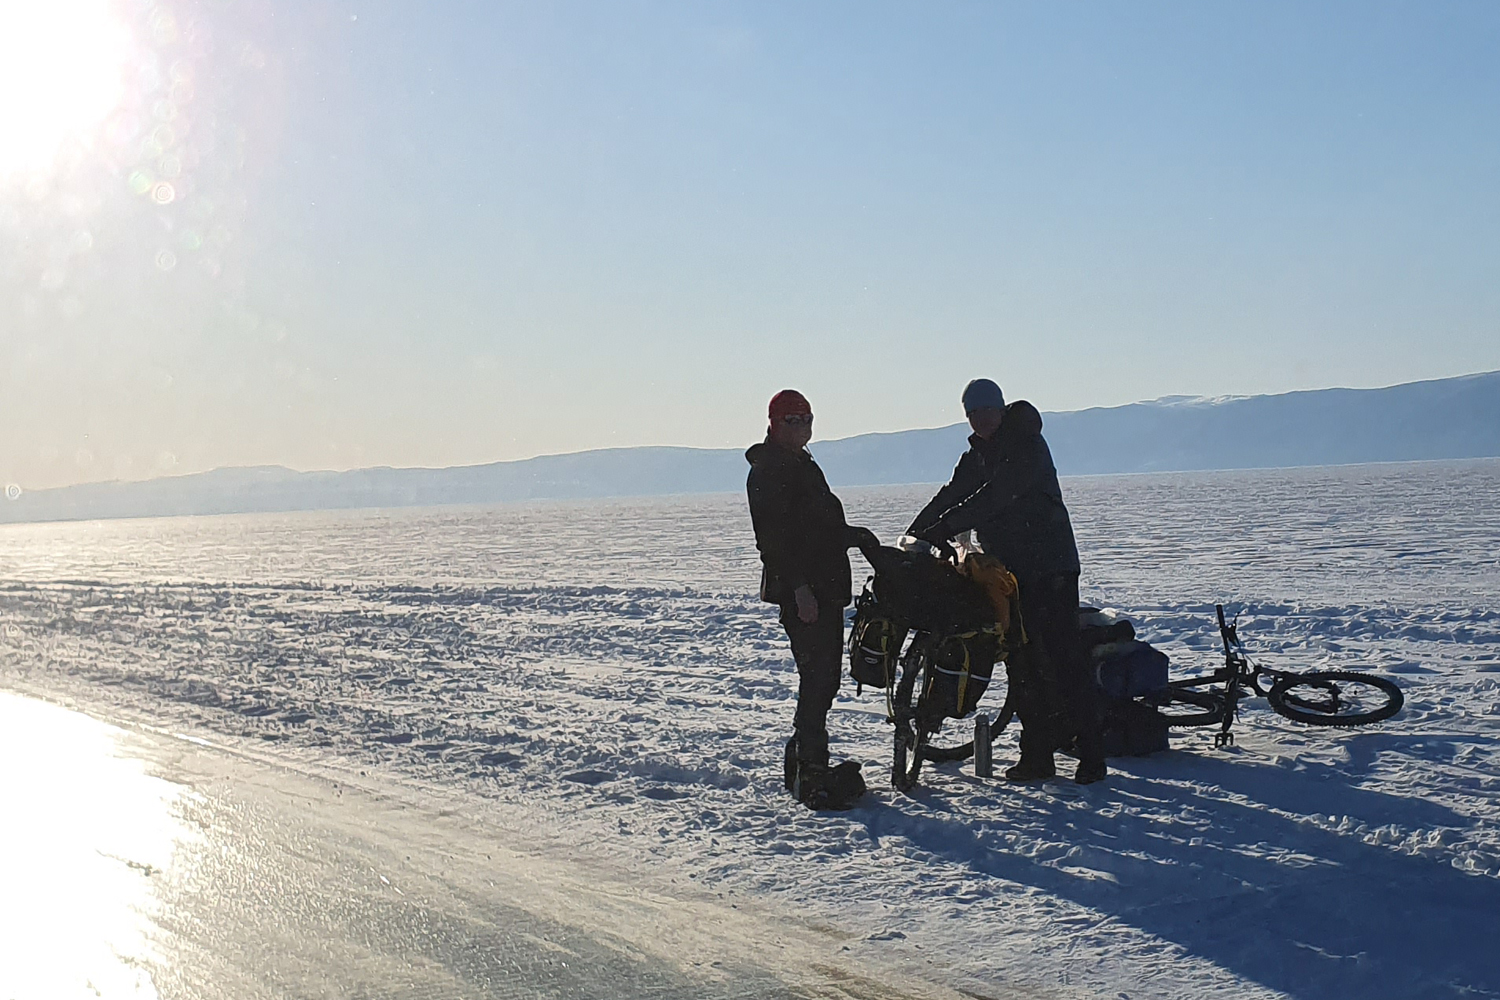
{"type": "Point", "coordinates": [1222, 740]}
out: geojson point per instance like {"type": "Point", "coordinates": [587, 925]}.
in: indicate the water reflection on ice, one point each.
{"type": "Point", "coordinates": [86, 833]}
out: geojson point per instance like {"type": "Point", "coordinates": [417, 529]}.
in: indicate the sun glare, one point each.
{"type": "Point", "coordinates": [62, 65]}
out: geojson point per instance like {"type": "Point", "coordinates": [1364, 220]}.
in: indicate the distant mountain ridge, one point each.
{"type": "Point", "coordinates": [1439, 419]}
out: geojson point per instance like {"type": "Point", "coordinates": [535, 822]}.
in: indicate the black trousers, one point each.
{"type": "Point", "coordinates": [1055, 697]}
{"type": "Point", "coordinates": [819, 651]}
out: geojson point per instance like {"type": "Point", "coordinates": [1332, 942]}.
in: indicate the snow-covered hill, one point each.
{"type": "Point", "coordinates": [1442, 419]}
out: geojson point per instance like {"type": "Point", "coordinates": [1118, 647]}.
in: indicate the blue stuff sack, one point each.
{"type": "Point", "coordinates": [1130, 669]}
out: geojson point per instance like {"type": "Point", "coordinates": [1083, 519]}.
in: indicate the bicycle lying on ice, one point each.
{"type": "Point", "coordinates": [1317, 698]}
{"type": "Point", "coordinates": [1336, 698]}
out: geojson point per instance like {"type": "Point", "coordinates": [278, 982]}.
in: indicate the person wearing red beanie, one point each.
{"type": "Point", "coordinates": [790, 403]}
{"type": "Point", "coordinates": [804, 545]}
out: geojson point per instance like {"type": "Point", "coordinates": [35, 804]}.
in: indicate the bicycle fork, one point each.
{"type": "Point", "coordinates": [1225, 738]}
{"type": "Point", "coordinates": [1234, 665]}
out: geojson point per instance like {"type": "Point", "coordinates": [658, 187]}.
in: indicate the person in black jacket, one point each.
{"type": "Point", "coordinates": [1005, 489]}
{"type": "Point", "coordinates": [804, 550]}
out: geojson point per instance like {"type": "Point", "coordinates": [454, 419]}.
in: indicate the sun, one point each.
{"type": "Point", "coordinates": [62, 66]}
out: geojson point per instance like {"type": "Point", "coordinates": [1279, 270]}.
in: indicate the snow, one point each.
{"type": "Point", "coordinates": [598, 677]}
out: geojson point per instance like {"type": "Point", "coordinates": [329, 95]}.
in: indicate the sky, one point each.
{"type": "Point", "coordinates": [330, 235]}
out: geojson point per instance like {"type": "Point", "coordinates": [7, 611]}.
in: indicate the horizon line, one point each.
{"type": "Point", "coordinates": [1174, 398]}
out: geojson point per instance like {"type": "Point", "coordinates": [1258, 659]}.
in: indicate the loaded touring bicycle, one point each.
{"type": "Point", "coordinates": [929, 631]}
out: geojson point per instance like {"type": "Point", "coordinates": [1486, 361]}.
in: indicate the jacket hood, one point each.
{"type": "Point", "coordinates": [1021, 420]}
{"type": "Point", "coordinates": [765, 451]}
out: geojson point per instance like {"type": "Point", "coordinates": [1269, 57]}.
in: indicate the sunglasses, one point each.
{"type": "Point", "coordinates": [798, 419]}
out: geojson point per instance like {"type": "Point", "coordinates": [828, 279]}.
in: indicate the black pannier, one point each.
{"type": "Point", "coordinates": [875, 641]}
{"type": "Point", "coordinates": [1133, 729]}
{"type": "Point", "coordinates": [1125, 669]}
{"type": "Point", "coordinates": [962, 666]}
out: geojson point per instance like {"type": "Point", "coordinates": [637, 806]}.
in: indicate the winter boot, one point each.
{"type": "Point", "coordinates": [1090, 771]}
{"type": "Point", "coordinates": [1032, 768]}
{"type": "Point", "coordinates": [805, 764]}
{"type": "Point", "coordinates": [819, 787]}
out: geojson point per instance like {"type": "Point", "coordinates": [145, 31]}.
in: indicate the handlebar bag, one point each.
{"type": "Point", "coordinates": [929, 594]}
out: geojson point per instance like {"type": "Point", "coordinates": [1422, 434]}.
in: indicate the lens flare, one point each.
{"type": "Point", "coordinates": [62, 71]}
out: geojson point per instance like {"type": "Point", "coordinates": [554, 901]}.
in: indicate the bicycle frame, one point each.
{"type": "Point", "coordinates": [1237, 675]}
{"type": "Point", "coordinates": [1238, 672]}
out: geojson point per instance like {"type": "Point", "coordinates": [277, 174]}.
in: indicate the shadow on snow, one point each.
{"type": "Point", "coordinates": [1241, 864]}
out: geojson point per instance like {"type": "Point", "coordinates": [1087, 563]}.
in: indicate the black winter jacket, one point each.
{"type": "Point", "coordinates": [1006, 490]}
{"type": "Point", "coordinates": [799, 527]}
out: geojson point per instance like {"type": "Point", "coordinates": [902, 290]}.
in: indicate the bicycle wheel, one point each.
{"type": "Point", "coordinates": [1335, 698]}
{"type": "Point", "coordinates": [906, 764]}
{"type": "Point", "coordinates": [966, 750]}
{"type": "Point", "coordinates": [1185, 706]}
{"type": "Point", "coordinates": [906, 757]}
{"type": "Point", "coordinates": [939, 754]}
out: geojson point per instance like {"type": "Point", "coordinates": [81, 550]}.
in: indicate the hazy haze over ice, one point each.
{"type": "Point", "coordinates": [431, 235]}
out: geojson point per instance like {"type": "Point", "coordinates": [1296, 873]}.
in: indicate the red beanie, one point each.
{"type": "Point", "coordinates": [787, 402]}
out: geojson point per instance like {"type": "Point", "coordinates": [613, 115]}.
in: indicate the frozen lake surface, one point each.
{"type": "Point", "coordinates": [177, 868]}
{"type": "Point", "coordinates": [598, 678]}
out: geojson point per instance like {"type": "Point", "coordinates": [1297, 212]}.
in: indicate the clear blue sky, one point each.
{"type": "Point", "coordinates": [432, 234]}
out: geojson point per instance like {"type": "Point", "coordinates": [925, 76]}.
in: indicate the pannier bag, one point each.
{"type": "Point", "coordinates": [1133, 729]}
{"type": "Point", "coordinates": [962, 665]}
{"type": "Point", "coordinates": [837, 787]}
{"type": "Point", "coordinates": [1124, 667]}
{"type": "Point", "coordinates": [875, 641]}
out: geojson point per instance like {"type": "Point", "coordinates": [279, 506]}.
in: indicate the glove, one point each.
{"type": "Point", "coordinates": [860, 538]}
{"type": "Point", "coordinates": [936, 537]}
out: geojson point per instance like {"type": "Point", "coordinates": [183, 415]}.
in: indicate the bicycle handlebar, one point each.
{"type": "Point", "coordinates": [1226, 632]}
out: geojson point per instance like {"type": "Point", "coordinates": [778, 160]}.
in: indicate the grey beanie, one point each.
{"type": "Point", "coordinates": [981, 393]}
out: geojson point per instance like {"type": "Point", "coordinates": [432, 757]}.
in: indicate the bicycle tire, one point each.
{"type": "Point", "coordinates": [1184, 707]}
{"type": "Point", "coordinates": [942, 754]}
{"type": "Point", "coordinates": [966, 750]}
{"type": "Point", "coordinates": [906, 763]}
{"type": "Point", "coordinates": [906, 756]}
{"type": "Point", "coordinates": [1325, 711]}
